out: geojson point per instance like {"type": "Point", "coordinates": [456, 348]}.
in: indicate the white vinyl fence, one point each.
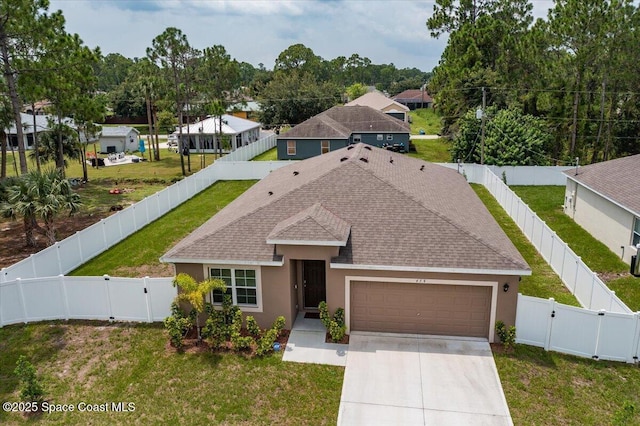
{"type": "Point", "coordinates": [88, 298]}
{"type": "Point", "coordinates": [247, 152]}
{"type": "Point", "coordinates": [578, 331]}
{"type": "Point", "coordinates": [68, 254]}
{"type": "Point", "coordinates": [584, 284]}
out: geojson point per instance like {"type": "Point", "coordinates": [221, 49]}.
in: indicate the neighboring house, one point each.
{"type": "Point", "coordinates": [414, 99]}
{"type": "Point", "coordinates": [338, 127]}
{"type": "Point", "coordinates": [119, 139]}
{"type": "Point", "coordinates": [42, 125]}
{"type": "Point", "coordinates": [248, 110]}
{"type": "Point", "coordinates": [402, 245]}
{"type": "Point", "coordinates": [603, 199]}
{"type": "Point", "coordinates": [380, 102]}
{"type": "Point", "coordinates": [203, 136]}
{"type": "Point", "coordinates": [40, 107]}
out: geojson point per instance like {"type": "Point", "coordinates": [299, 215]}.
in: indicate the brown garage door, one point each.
{"type": "Point", "coordinates": [452, 310]}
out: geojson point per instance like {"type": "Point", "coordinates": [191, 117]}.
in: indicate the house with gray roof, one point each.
{"type": "Point", "coordinates": [401, 244]}
{"type": "Point", "coordinates": [603, 199]}
{"type": "Point", "coordinates": [340, 126]}
{"type": "Point", "coordinates": [119, 139]}
{"type": "Point", "coordinates": [414, 99]}
{"type": "Point", "coordinates": [380, 102]}
{"type": "Point", "coordinates": [205, 136]}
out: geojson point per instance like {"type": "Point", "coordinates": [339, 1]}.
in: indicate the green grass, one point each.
{"type": "Point", "coordinates": [433, 150]}
{"type": "Point", "coordinates": [270, 155]}
{"type": "Point", "coordinates": [138, 254]}
{"type": "Point", "coordinates": [425, 119]}
{"type": "Point", "coordinates": [543, 281]}
{"type": "Point", "coordinates": [547, 202]}
{"type": "Point", "coordinates": [101, 363]}
{"type": "Point", "coordinates": [548, 388]}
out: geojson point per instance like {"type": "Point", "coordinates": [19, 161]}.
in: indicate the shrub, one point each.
{"type": "Point", "coordinates": [238, 341]}
{"type": "Point", "coordinates": [507, 335]}
{"type": "Point", "coordinates": [215, 331]}
{"type": "Point", "coordinates": [177, 327]}
{"type": "Point", "coordinates": [31, 388]}
{"type": "Point", "coordinates": [325, 318]}
{"type": "Point", "coordinates": [265, 343]}
{"type": "Point", "coordinates": [252, 326]}
{"type": "Point", "coordinates": [337, 330]}
{"type": "Point", "coordinates": [278, 325]}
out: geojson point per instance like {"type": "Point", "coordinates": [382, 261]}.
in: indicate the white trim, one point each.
{"type": "Point", "coordinates": [224, 262]}
{"type": "Point", "coordinates": [427, 281]}
{"type": "Point", "coordinates": [308, 243]}
{"type": "Point", "coordinates": [243, 308]}
{"type": "Point", "coordinates": [431, 269]}
{"type": "Point", "coordinates": [602, 195]}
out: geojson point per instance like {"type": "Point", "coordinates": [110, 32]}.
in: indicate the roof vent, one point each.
{"type": "Point", "coordinates": [270, 192]}
{"type": "Point", "coordinates": [344, 159]}
{"type": "Point", "coordinates": [350, 147]}
{"type": "Point", "coordinates": [296, 173]}
{"type": "Point", "coordinates": [364, 160]}
{"type": "Point", "coordinates": [422, 167]}
{"type": "Point", "coordinates": [367, 147]}
{"type": "Point", "coordinates": [391, 160]}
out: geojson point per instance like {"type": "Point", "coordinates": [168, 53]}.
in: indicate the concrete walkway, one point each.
{"type": "Point", "coordinates": [306, 344]}
{"type": "Point", "coordinates": [421, 380]}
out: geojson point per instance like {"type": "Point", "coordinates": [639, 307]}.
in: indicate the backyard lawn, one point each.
{"type": "Point", "coordinates": [425, 119]}
{"type": "Point", "coordinates": [546, 201]}
{"type": "Point", "coordinates": [98, 363]}
{"type": "Point", "coordinates": [432, 150]}
{"type": "Point", "coordinates": [270, 155]}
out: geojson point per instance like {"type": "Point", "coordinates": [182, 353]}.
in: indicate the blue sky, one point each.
{"type": "Point", "coordinates": [385, 31]}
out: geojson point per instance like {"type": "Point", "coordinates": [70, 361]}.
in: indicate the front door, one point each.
{"type": "Point", "coordinates": [313, 279]}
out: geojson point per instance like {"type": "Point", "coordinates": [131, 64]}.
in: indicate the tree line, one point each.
{"type": "Point", "coordinates": [569, 78]}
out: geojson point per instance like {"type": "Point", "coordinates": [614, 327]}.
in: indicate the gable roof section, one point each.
{"type": "Point", "coordinates": [340, 122]}
{"type": "Point", "coordinates": [412, 95]}
{"type": "Point", "coordinates": [614, 180]}
{"type": "Point", "coordinates": [312, 226]}
{"type": "Point", "coordinates": [119, 131]}
{"type": "Point", "coordinates": [377, 101]}
{"type": "Point", "coordinates": [230, 125]}
{"type": "Point", "coordinates": [405, 214]}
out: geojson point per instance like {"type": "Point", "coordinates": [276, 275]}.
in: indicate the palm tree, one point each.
{"type": "Point", "coordinates": [48, 145]}
{"type": "Point", "coordinates": [194, 292]}
{"type": "Point", "coordinates": [40, 195]}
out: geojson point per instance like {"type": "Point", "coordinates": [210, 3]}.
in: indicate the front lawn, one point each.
{"type": "Point", "coordinates": [547, 202]}
{"type": "Point", "coordinates": [98, 363]}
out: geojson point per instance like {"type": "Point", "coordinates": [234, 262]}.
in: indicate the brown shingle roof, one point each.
{"type": "Point", "coordinates": [314, 224]}
{"type": "Point", "coordinates": [405, 214]}
{"type": "Point", "coordinates": [376, 101]}
{"type": "Point", "coordinates": [614, 179]}
{"type": "Point", "coordinates": [414, 95]}
{"type": "Point", "coordinates": [340, 122]}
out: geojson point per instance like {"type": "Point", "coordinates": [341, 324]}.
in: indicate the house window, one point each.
{"type": "Point", "coordinates": [379, 137]}
{"type": "Point", "coordinates": [389, 137]}
{"type": "Point", "coordinates": [635, 240]}
{"type": "Point", "coordinates": [291, 147]}
{"type": "Point", "coordinates": [357, 138]}
{"type": "Point", "coordinates": [324, 147]}
{"type": "Point", "coordinates": [242, 286]}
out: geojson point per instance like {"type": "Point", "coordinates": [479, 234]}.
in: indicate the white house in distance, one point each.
{"type": "Point", "coordinates": [41, 126]}
{"type": "Point", "coordinates": [203, 135]}
{"type": "Point", "coordinates": [604, 200]}
{"type": "Point", "coordinates": [119, 139]}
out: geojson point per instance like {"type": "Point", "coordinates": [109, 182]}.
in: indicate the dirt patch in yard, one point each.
{"type": "Point", "coordinates": [610, 276]}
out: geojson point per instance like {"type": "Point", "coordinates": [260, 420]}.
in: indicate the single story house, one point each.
{"type": "Point", "coordinates": [602, 198]}
{"type": "Point", "coordinates": [41, 126]}
{"type": "Point", "coordinates": [203, 136]}
{"type": "Point", "coordinates": [401, 244]}
{"type": "Point", "coordinates": [119, 139]}
{"type": "Point", "coordinates": [338, 127]}
{"type": "Point", "coordinates": [248, 110]}
{"type": "Point", "coordinates": [380, 102]}
{"type": "Point", "coordinates": [414, 99]}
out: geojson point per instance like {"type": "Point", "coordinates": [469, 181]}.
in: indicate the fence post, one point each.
{"type": "Point", "coordinates": [635, 352]}
{"type": "Point", "coordinates": [65, 300]}
{"type": "Point", "coordinates": [107, 278]}
{"type": "Point", "coordinates": [575, 278]}
{"type": "Point", "coordinates": [22, 301]}
{"type": "Point", "coordinates": [33, 265]}
{"type": "Point", "coordinates": [601, 314]}
{"type": "Point", "coordinates": [593, 286]}
{"type": "Point", "coordinates": [147, 298]}
{"type": "Point", "coordinates": [551, 313]}
{"type": "Point", "coordinates": [553, 240]}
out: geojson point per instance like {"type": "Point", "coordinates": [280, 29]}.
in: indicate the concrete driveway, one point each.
{"type": "Point", "coordinates": [421, 380]}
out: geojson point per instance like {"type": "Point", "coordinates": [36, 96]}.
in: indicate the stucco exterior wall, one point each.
{"type": "Point", "coordinates": [307, 148]}
{"type": "Point", "coordinates": [607, 222]}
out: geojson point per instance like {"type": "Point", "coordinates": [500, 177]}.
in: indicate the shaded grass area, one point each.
{"type": "Point", "coordinates": [101, 363]}
{"type": "Point", "coordinates": [144, 248]}
{"type": "Point", "coordinates": [548, 388]}
{"type": "Point", "coordinates": [547, 202]}
{"type": "Point", "coordinates": [433, 150]}
{"type": "Point", "coordinates": [270, 155]}
{"type": "Point", "coordinates": [543, 281]}
{"type": "Point", "coordinates": [425, 119]}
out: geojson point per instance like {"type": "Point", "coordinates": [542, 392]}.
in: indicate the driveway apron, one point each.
{"type": "Point", "coordinates": [421, 380]}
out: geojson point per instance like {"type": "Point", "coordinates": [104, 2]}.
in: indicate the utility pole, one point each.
{"type": "Point", "coordinates": [484, 108]}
